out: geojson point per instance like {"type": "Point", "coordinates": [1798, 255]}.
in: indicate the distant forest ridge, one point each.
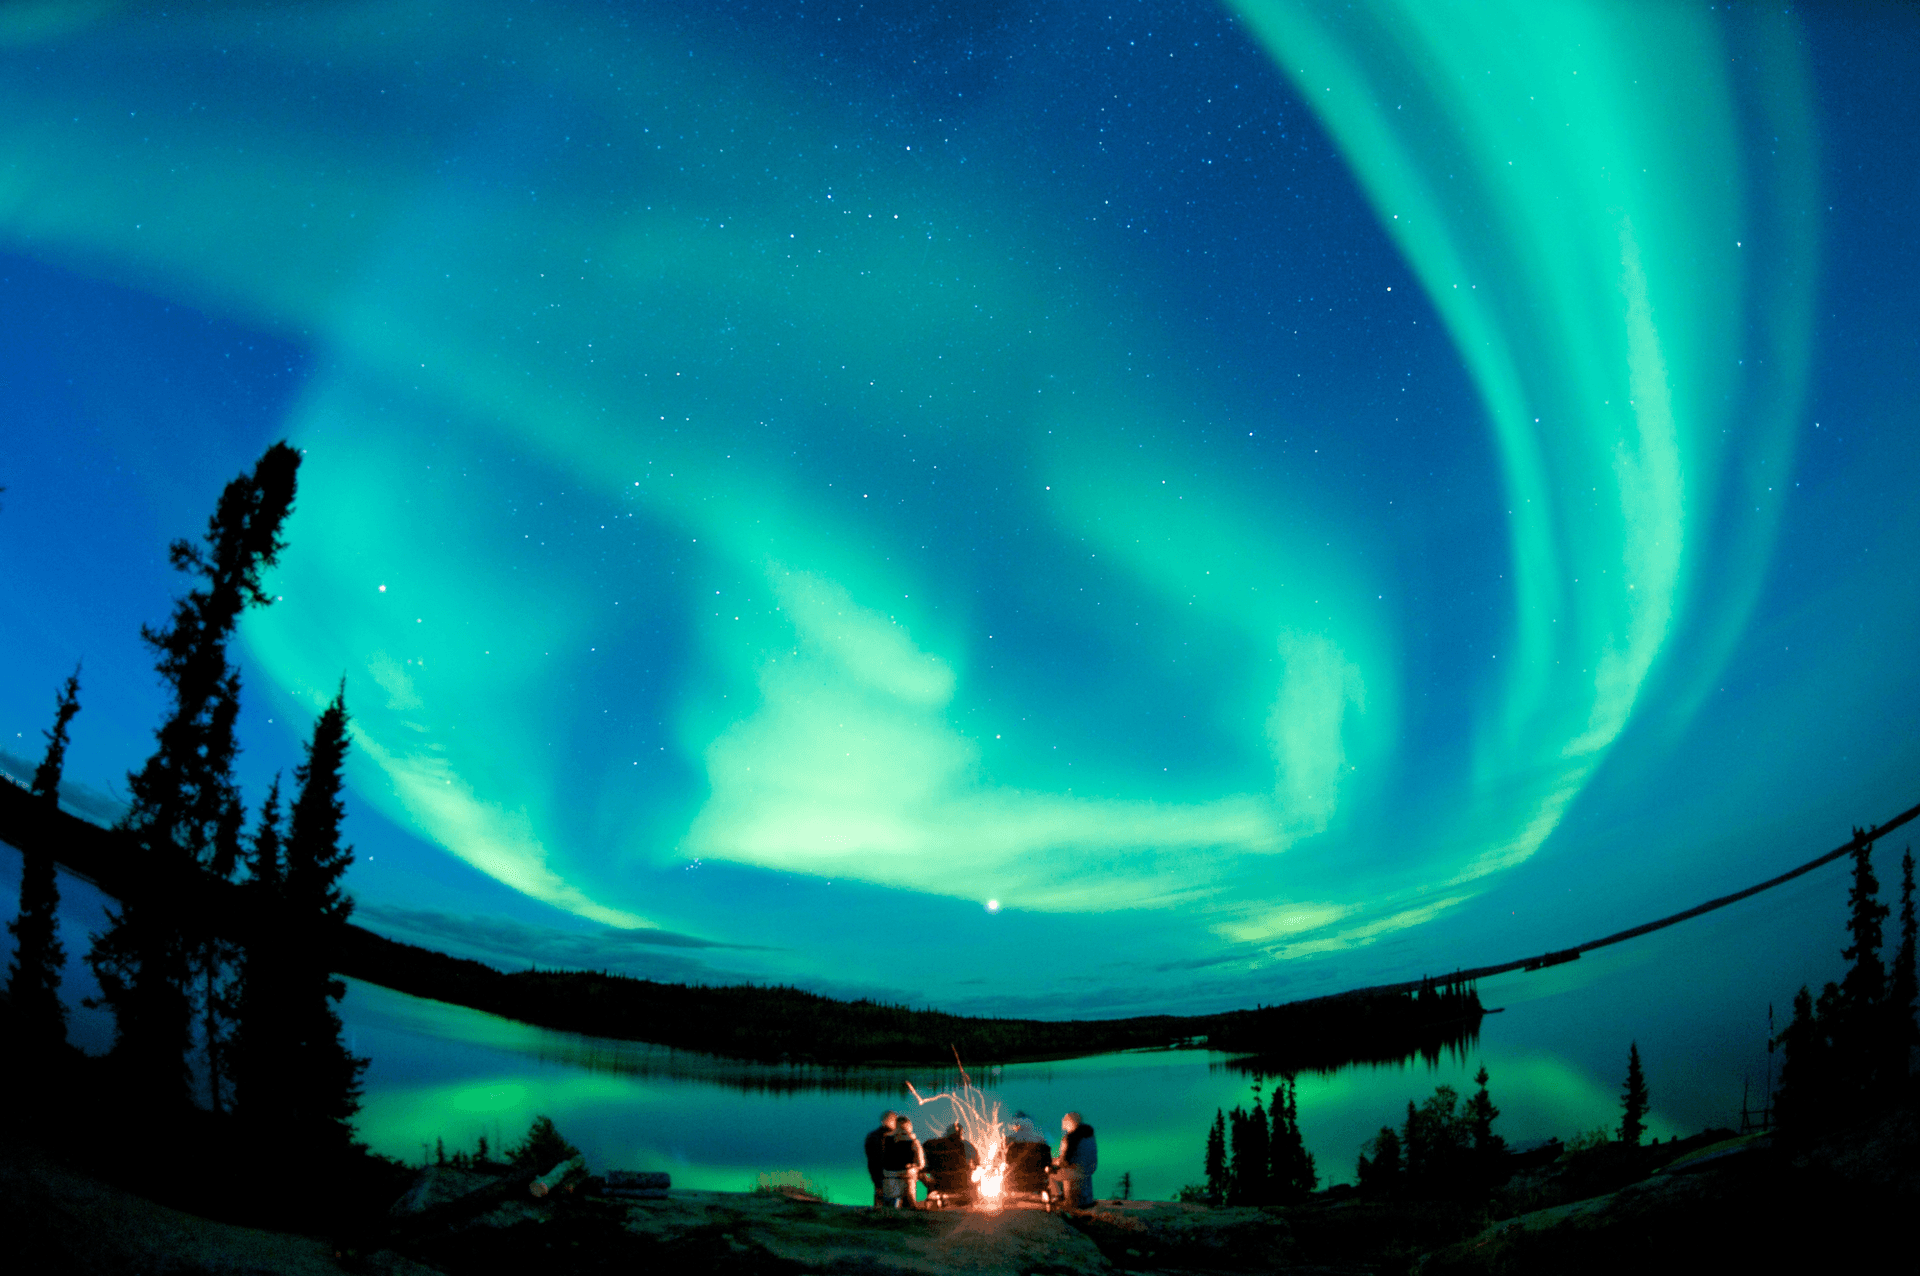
{"type": "Point", "coordinates": [780, 1024]}
{"type": "Point", "coordinates": [771, 1023]}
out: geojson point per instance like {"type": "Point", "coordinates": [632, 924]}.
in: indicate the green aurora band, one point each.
{"type": "Point", "coordinates": [713, 253]}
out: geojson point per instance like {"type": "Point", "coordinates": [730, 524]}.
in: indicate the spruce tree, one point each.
{"type": "Point", "coordinates": [1857, 1021]}
{"type": "Point", "coordinates": [1481, 1114]}
{"type": "Point", "coordinates": [323, 1078]}
{"type": "Point", "coordinates": [1489, 1150]}
{"type": "Point", "coordinates": [217, 953]}
{"type": "Point", "coordinates": [1217, 1159]}
{"type": "Point", "coordinates": [1291, 1171]}
{"type": "Point", "coordinates": [1902, 1033]}
{"type": "Point", "coordinates": [1381, 1173]}
{"type": "Point", "coordinates": [1413, 1145]}
{"type": "Point", "coordinates": [46, 777]}
{"type": "Point", "coordinates": [1864, 987]}
{"type": "Point", "coordinates": [1633, 1114]}
{"type": "Point", "coordinates": [253, 1051]}
{"type": "Point", "coordinates": [39, 1018]}
{"type": "Point", "coordinates": [183, 815]}
{"type": "Point", "coordinates": [1806, 1090]}
{"type": "Point", "coordinates": [1436, 1141]}
{"type": "Point", "coordinates": [1252, 1156]}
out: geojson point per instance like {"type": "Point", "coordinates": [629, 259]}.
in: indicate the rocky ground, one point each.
{"type": "Point", "coordinates": [57, 1222]}
{"type": "Point", "coordinates": [1711, 1203]}
{"type": "Point", "coordinates": [727, 1232]}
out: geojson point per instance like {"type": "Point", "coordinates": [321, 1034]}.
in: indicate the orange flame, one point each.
{"type": "Point", "coordinates": [981, 1116]}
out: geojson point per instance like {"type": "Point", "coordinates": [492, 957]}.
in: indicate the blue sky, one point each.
{"type": "Point", "coordinates": [1039, 512]}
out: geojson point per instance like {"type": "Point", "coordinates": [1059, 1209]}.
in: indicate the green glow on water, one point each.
{"type": "Point", "coordinates": [447, 1073]}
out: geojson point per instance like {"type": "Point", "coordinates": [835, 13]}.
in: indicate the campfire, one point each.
{"type": "Point", "coordinates": [979, 1115]}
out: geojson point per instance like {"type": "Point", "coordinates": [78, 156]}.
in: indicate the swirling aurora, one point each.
{"type": "Point", "coordinates": [1274, 498]}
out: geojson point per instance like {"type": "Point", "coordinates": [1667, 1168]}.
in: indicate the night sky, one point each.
{"type": "Point", "coordinates": [1067, 512]}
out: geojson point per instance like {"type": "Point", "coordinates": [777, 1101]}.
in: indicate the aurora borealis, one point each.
{"type": "Point", "coordinates": [1272, 497]}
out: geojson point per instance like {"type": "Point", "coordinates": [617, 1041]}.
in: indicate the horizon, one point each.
{"type": "Point", "coordinates": [1210, 602]}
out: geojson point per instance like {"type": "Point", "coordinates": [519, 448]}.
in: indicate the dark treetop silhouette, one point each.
{"type": "Point", "coordinates": [39, 1018]}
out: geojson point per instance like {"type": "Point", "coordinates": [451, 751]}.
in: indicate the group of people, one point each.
{"type": "Point", "coordinates": [896, 1159]}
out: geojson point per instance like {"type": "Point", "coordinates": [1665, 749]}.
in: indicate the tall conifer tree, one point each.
{"type": "Point", "coordinates": [1481, 1114]}
{"type": "Point", "coordinates": [323, 1077]}
{"type": "Point", "coordinates": [1293, 1174]}
{"type": "Point", "coordinates": [1902, 1031]}
{"type": "Point", "coordinates": [1864, 987]}
{"type": "Point", "coordinates": [1633, 1098]}
{"type": "Point", "coordinates": [184, 812]}
{"type": "Point", "coordinates": [33, 980]}
{"type": "Point", "coordinates": [1252, 1156]}
{"type": "Point", "coordinates": [1217, 1179]}
{"type": "Point", "coordinates": [255, 1050]}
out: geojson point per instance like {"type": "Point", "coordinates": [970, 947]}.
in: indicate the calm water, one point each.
{"type": "Point", "coordinates": [443, 1071]}
{"type": "Point", "coordinates": [1556, 1055]}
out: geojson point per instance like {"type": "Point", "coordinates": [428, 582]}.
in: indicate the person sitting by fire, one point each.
{"type": "Point", "coordinates": [1077, 1162]}
{"type": "Point", "coordinates": [876, 1141]}
{"type": "Point", "coordinates": [951, 1161]}
{"type": "Point", "coordinates": [956, 1136]}
{"type": "Point", "coordinates": [901, 1158]}
{"type": "Point", "coordinates": [1024, 1130]}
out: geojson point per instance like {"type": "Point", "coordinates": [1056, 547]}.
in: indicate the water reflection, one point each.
{"type": "Point", "coordinates": [376, 1010]}
{"type": "Point", "coordinates": [639, 1059]}
{"type": "Point", "coordinates": [445, 1072]}
{"type": "Point", "coordinates": [1451, 1042]}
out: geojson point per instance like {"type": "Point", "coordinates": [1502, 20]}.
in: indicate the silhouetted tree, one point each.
{"type": "Point", "coordinates": [39, 1019]}
{"type": "Point", "coordinates": [46, 777]}
{"type": "Point", "coordinates": [1489, 1149]}
{"type": "Point", "coordinates": [1436, 1141]}
{"type": "Point", "coordinates": [1217, 1175]}
{"type": "Point", "coordinates": [1863, 989]}
{"type": "Point", "coordinates": [1903, 1033]}
{"type": "Point", "coordinates": [1292, 1172]}
{"type": "Point", "coordinates": [1480, 1115]}
{"type": "Point", "coordinates": [217, 953]}
{"type": "Point", "coordinates": [1806, 1092]}
{"type": "Point", "coordinates": [1381, 1173]}
{"type": "Point", "coordinates": [183, 817]}
{"type": "Point", "coordinates": [543, 1148]}
{"type": "Point", "coordinates": [1848, 1049]}
{"type": "Point", "coordinates": [1247, 1182]}
{"type": "Point", "coordinates": [1633, 1112]}
{"type": "Point", "coordinates": [256, 1048]}
{"type": "Point", "coordinates": [323, 1078]}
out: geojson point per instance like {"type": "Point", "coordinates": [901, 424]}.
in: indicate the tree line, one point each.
{"type": "Point", "coordinates": [777, 1023]}
{"type": "Point", "coordinates": [1847, 1057]}
{"type": "Point", "coordinates": [1258, 1157]}
{"type": "Point", "coordinates": [222, 944]}
{"type": "Point", "coordinates": [1848, 1051]}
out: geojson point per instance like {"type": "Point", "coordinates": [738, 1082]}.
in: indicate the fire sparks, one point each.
{"type": "Point", "coordinates": [979, 1116]}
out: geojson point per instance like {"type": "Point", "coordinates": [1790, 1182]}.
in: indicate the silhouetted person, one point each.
{"type": "Point", "coordinates": [1024, 1130]}
{"type": "Point", "coordinates": [875, 1142]}
{"type": "Point", "coordinates": [956, 1136]}
{"type": "Point", "coordinates": [1079, 1158]}
{"type": "Point", "coordinates": [901, 1158]}
{"type": "Point", "coordinates": [952, 1159]}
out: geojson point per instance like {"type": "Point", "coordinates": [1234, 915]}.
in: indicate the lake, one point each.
{"type": "Point", "coordinates": [1556, 1056]}
{"type": "Point", "coordinates": [447, 1072]}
